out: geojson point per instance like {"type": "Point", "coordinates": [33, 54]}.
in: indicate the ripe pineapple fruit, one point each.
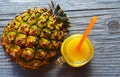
{"type": "Point", "coordinates": [35, 36]}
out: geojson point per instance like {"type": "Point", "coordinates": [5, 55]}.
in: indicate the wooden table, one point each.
{"type": "Point", "coordinates": [106, 61]}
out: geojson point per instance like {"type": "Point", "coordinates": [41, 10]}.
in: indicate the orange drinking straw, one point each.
{"type": "Point", "coordinates": [89, 27]}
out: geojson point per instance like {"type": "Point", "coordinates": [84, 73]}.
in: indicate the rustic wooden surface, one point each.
{"type": "Point", "coordinates": [106, 61]}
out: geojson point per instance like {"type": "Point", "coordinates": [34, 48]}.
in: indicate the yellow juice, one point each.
{"type": "Point", "coordinates": [74, 57]}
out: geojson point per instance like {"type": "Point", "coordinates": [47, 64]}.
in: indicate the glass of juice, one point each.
{"type": "Point", "coordinates": [74, 57]}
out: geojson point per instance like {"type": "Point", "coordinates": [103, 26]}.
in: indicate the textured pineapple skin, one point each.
{"type": "Point", "coordinates": [33, 37]}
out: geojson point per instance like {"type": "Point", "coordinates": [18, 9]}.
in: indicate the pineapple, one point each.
{"type": "Point", "coordinates": [35, 36]}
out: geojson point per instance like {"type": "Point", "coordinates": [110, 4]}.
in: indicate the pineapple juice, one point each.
{"type": "Point", "coordinates": [74, 57]}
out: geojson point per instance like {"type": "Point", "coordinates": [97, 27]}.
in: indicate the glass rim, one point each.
{"type": "Point", "coordinates": [79, 63]}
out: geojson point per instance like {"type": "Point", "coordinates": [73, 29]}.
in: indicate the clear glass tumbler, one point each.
{"type": "Point", "coordinates": [74, 57]}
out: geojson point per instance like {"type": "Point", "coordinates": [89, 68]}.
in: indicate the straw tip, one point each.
{"type": "Point", "coordinates": [95, 17]}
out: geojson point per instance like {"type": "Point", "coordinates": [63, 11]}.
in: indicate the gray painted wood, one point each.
{"type": "Point", "coordinates": [106, 61]}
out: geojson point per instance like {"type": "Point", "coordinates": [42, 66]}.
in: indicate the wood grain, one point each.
{"type": "Point", "coordinates": [106, 61]}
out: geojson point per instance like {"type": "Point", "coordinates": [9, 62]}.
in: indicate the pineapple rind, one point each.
{"type": "Point", "coordinates": [34, 37]}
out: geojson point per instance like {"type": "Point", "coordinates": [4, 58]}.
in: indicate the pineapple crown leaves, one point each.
{"type": "Point", "coordinates": [60, 15]}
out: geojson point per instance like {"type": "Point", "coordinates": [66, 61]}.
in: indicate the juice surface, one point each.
{"type": "Point", "coordinates": [73, 53]}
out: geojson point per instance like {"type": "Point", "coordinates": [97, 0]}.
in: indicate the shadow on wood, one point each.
{"type": "Point", "coordinates": [68, 71]}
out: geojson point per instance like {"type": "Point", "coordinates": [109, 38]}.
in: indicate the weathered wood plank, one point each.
{"type": "Point", "coordinates": [106, 62]}
{"type": "Point", "coordinates": [75, 5]}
